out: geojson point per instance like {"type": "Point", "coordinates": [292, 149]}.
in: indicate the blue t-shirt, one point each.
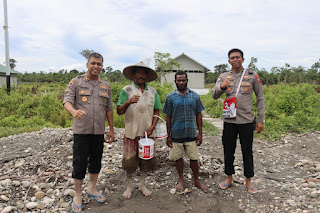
{"type": "Point", "coordinates": [183, 110]}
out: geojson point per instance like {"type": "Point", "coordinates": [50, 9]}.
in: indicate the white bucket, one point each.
{"type": "Point", "coordinates": [146, 147]}
{"type": "Point", "coordinates": [161, 128]}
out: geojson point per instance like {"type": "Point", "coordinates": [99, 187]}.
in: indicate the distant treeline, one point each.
{"type": "Point", "coordinates": [285, 74]}
{"type": "Point", "coordinates": [64, 76]}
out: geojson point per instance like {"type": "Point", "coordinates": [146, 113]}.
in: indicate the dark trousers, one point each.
{"type": "Point", "coordinates": [87, 152]}
{"type": "Point", "coordinates": [229, 141]}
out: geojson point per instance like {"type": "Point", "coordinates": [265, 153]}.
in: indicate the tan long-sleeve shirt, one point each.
{"type": "Point", "coordinates": [250, 83]}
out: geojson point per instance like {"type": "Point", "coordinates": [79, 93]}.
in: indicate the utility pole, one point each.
{"type": "Point", "coordinates": [6, 35]}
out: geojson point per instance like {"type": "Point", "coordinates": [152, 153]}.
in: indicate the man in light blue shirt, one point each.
{"type": "Point", "coordinates": [183, 109]}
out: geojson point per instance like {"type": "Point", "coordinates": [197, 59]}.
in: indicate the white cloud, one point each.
{"type": "Point", "coordinates": [47, 34]}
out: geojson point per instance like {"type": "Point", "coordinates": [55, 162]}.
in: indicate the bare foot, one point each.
{"type": "Point", "coordinates": [145, 191]}
{"type": "Point", "coordinates": [180, 186]}
{"type": "Point", "coordinates": [201, 186]}
{"type": "Point", "coordinates": [127, 194]}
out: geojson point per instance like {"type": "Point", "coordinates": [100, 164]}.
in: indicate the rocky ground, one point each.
{"type": "Point", "coordinates": [35, 171]}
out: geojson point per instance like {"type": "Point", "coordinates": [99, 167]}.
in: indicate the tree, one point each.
{"type": "Point", "coordinates": [108, 69]}
{"type": "Point", "coordinates": [12, 63]}
{"type": "Point", "coordinates": [221, 68]}
{"type": "Point", "coordinates": [85, 53]}
{"type": "Point", "coordinates": [252, 65]}
{"type": "Point", "coordinates": [164, 63]}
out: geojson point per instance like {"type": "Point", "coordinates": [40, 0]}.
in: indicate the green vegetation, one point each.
{"type": "Point", "coordinates": [290, 108]}
{"type": "Point", "coordinates": [209, 129]}
{"type": "Point", "coordinates": [33, 106]}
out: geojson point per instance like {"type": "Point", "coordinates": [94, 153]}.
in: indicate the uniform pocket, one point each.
{"type": "Point", "coordinates": [84, 96]}
{"type": "Point", "coordinates": [103, 96]}
{"type": "Point", "coordinates": [246, 87]}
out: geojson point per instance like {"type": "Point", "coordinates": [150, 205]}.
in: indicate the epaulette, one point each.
{"type": "Point", "coordinates": [250, 71]}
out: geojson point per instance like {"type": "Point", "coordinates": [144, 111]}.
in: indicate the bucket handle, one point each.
{"type": "Point", "coordinates": [159, 117]}
{"type": "Point", "coordinates": [145, 133]}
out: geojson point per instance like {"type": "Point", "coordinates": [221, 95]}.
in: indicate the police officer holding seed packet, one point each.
{"type": "Point", "coordinates": [239, 119]}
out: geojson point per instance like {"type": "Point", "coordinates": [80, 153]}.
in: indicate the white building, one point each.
{"type": "Point", "coordinates": [194, 70]}
{"type": "Point", "coordinates": [3, 77]}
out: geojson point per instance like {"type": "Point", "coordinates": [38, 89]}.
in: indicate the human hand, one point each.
{"type": "Point", "coordinates": [259, 127]}
{"type": "Point", "coordinates": [225, 84]}
{"type": "Point", "coordinates": [78, 114]}
{"type": "Point", "coordinates": [150, 130]}
{"type": "Point", "coordinates": [199, 140]}
{"type": "Point", "coordinates": [169, 142]}
{"type": "Point", "coordinates": [134, 99]}
{"type": "Point", "coordinates": [110, 137]}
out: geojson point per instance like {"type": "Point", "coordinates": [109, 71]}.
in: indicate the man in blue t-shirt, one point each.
{"type": "Point", "coordinates": [183, 108]}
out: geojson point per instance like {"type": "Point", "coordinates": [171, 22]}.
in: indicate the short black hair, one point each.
{"type": "Point", "coordinates": [95, 55]}
{"type": "Point", "coordinates": [234, 50]}
{"type": "Point", "coordinates": [180, 72]}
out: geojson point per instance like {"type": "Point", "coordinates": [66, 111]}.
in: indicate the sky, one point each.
{"type": "Point", "coordinates": [48, 35]}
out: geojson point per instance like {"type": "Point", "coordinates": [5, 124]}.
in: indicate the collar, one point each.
{"type": "Point", "coordinates": [177, 91]}
{"type": "Point", "coordinates": [238, 72]}
{"type": "Point", "coordinates": [86, 78]}
{"type": "Point", "coordinates": [145, 86]}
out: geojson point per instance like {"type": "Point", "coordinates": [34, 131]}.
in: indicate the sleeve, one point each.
{"type": "Point", "coordinates": [109, 103]}
{"type": "Point", "coordinates": [157, 102]}
{"type": "Point", "coordinates": [167, 109]}
{"type": "Point", "coordinates": [258, 90]}
{"type": "Point", "coordinates": [217, 91]}
{"type": "Point", "coordinates": [70, 92]}
{"type": "Point", "coordinates": [199, 105]}
{"type": "Point", "coordinates": [123, 97]}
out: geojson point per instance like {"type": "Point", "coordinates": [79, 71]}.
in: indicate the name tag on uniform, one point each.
{"type": "Point", "coordinates": [230, 108]}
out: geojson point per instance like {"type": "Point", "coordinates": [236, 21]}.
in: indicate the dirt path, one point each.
{"type": "Point", "coordinates": [281, 170]}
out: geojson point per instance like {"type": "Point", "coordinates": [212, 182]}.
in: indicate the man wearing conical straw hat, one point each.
{"type": "Point", "coordinates": [139, 103]}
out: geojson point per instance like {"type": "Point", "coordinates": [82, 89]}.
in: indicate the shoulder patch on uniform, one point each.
{"type": "Point", "coordinates": [258, 79]}
{"type": "Point", "coordinates": [72, 82]}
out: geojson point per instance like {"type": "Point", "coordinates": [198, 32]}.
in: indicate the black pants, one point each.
{"type": "Point", "coordinates": [229, 140]}
{"type": "Point", "coordinates": [87, 152]}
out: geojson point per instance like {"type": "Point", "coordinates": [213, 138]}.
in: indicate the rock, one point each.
{"type": "Point", "coordinates": [189, 176]}
{"type": "Point", "coordinates": [3, 197]}
{"type": "Point", "coordinates": [109, 171]}
{"type": "Point", "coordinates": [6, 182]}
{"type": "Point", "coordinates": [19, 204]}
{"type": "Point", "coordinates": [31, 205]}
{"type": "Point", "coordinates": [15, 183]}
{"type": "Point", "coordinates": [19, 163]}
{"type": "Point", "coordinates": [65, 205]}
{"type": "Point", "coordinates": [168, 173]}
{"type": "Point", "coordinates": [173, 191]}
{"type": "Point", "coordinates": [70, 192]}
{"type": "Point", "coordinates": [318, 168]}
{"type": "Point", "coordinates": [314, 194]}
{"type": "Point", "coordinates": [44, 186]}
{"type": "Point", "coordinates": [26, 184]}
{"type": "Point", "coordinates": [39, 194]}
{"type": "Point", "coordinates": [7, 209]}
{"type": "Point", "coordinates": [41, 206]}
{"type": "Point", "coordinates": [312, 185]}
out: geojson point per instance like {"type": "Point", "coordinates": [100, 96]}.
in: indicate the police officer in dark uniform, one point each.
{"type": "Point", "coordinates": [88, 100]}
{"type": "Point", "coordinates": [242, 123]}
